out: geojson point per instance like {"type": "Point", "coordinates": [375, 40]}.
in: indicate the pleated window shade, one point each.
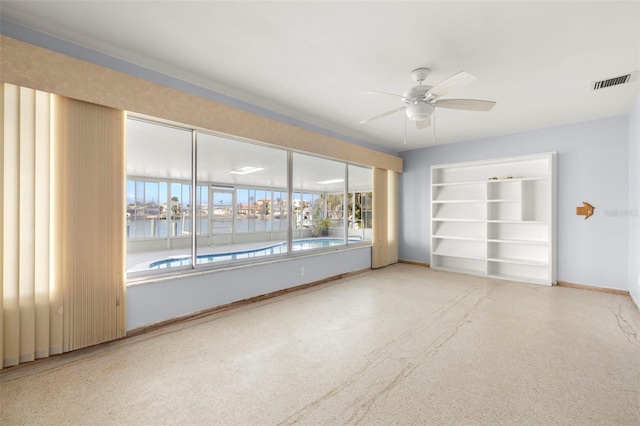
{"type": "Point", "coordinates": [62, 215]}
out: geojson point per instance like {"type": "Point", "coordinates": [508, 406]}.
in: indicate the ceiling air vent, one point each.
{"type": "Point", "coordinates": [595, 85]}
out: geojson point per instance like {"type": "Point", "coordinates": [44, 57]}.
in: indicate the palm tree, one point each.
{"type": "Point", "coordinates": [175, 205]}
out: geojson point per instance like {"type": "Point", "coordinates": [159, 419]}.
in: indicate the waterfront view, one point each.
{"type": "Point", "coordinates": [241, 197]}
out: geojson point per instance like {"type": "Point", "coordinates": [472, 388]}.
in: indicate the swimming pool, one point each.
{"type": "Point", "coordinates": [277, 248]}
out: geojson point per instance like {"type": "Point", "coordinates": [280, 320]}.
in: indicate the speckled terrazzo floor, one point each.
{"type": "Point", "coordinates": [402, 345]}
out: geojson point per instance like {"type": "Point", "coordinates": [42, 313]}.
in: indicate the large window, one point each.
{"type": "Point", "coordinates": [279, 211]}
{"type": "Point", "coordinates": [158, 194]}
{"type": "Point", "coordinates": [320, 187]}
{"type": "Point", "coordinates": [242, 180]}
{"type": "Point", "coordinates": [360, 202]}
{"type": "Point", "coordinates": [239, 209]}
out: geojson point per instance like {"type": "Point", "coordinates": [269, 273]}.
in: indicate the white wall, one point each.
{"type": "Point", "coordinates": [634, 202]}
{"type": "Point", "coordinates": [163, 299]}
{"type": "Point", "coordinates": [593, 166]}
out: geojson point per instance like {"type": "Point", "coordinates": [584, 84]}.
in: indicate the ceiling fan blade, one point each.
{"type": "Point", "coordinates": [423, 124]}
{"type": "Point", "coordinates": [455, 81]}
{"type": "Point", "coordinates": [373, 92]}
{"type": "Point", "coordinates": [382, 115]}
{"type": "Point", "coordinates": [465, 104]}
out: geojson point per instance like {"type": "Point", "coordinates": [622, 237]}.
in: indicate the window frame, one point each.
{"type": "Point", "coordinates": [194, 185]}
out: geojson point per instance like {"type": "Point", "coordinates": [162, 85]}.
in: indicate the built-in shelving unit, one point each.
{"type": "Point", "coordinates": [496, 218]}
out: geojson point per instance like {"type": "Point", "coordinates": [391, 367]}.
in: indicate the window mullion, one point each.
{"type": "Point", "coordinates": [192, 222]}
{"type": "Point", "coordinates": [289, 201]}
{"type": "Point", "coordinates": [345, 204]}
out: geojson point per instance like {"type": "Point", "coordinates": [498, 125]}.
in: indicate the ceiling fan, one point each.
{"type": "Point", "coordinates": [421, 100]}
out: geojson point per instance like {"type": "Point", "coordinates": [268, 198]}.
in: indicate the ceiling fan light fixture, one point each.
{"type": "Point", "coordinates": [420, 111]}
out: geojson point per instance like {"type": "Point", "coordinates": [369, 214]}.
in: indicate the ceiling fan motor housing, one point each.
{"type": "Point", "coordinates": [416, 94]}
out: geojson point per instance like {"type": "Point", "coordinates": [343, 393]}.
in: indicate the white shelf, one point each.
{"type": "Point", "coordinates": [457, 201]}
{"type": "Point", "coordinates": [475, 182]}
{"type": "Point", "coordinates": [525, 222]}
{"type": "Point", "coordinates": [453, 219]}
{"type": "Point", "coordinates": [519, 179]}
{"type": "Point", "coordinates": [461, 256]}
{"type": "Point", "coordinates": [504, 200]}
{"type": "Point", "coordinates": [530, 262]}
{"type": "Point", "coordinates": [502, 228]}
{"type": "Point", "coordinates": [526, 242]}
{"type": "Point", "coordinates": [453, 237]}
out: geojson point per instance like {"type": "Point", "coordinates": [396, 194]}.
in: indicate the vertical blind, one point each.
{"type": "Point", "coordinates": [384, 244]}
{"type": "Point", "coordinates": [63, 267]}
{"type": "Point", "coordinates": [29, 308]}
{"type": "Point", "coordinates": [90, 181]}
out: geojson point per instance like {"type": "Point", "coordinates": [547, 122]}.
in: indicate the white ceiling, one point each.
{"type": "Point", "coordinates": [312, 60]}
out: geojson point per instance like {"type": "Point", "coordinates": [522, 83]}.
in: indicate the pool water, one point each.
{"type": "Point", "coordinates": [278, 248]}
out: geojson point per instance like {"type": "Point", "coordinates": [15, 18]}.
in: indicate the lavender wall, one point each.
{"type": "Point", "coordinates": [634, 202]}
{"type": "Point", "coordinates": [166, 298]}
{"type": "Point", "coordinates": [593, 166]}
